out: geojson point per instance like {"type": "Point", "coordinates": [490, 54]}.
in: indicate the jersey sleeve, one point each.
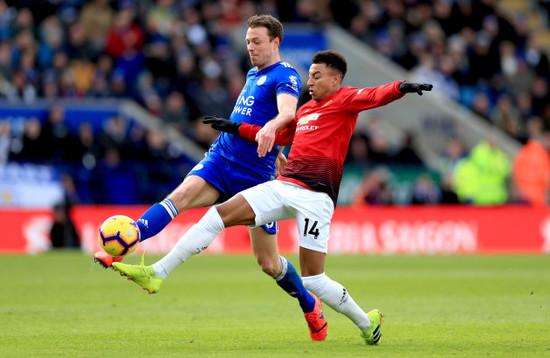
{"type": "Point", "coordinates": [361, 99]}
{"type": "Point", "coordinates": [289, 81]}
{"type": "Point", "coordinates": [284, 137]}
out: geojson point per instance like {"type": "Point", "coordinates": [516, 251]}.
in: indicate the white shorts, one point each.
{"type": "Point", "coordinates": [278, 200]}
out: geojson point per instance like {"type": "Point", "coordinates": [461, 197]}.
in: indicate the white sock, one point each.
{"type": "Point", "coordinates": [338, 298]}
{"type": "Point", "coordinates": [195, 241]}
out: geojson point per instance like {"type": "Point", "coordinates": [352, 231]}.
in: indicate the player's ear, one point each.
{"type": "Point", "coordinates": [337, 79]}
{"type": "Point", "coordinates": [277, 42]}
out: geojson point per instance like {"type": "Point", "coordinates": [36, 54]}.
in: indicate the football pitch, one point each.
{"type": "Point", "coordinates": [60, 304]}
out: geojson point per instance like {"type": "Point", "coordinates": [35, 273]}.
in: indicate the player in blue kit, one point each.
{"type": "Point", "coordinates": [269, 99]}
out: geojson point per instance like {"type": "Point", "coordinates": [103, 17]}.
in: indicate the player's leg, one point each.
{"type": "Point", "coordinates": [269, 204]}
{"type": "Point", "coordinates": [337, 296]}
{"type": "Point", "coordinates": [202, 186]}
{"type": "Point", "coordinates": [193, 192]}
{"type": "Point", "coordinates": [314, 212]}
{"type": "Point", "coordinates": [235, 211]}
{"type": "Point", "coordinates": [264, 246]}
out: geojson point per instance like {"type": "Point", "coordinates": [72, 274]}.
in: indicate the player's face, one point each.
{"type": "Point", "coordinates": [263, 51]}
{"type": "Point", "coordinates": [322, 82]}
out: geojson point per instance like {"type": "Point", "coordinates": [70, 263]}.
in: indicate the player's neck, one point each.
{"type": "Point", "coordinates": [274, 60]}
{"type": "Point", "coordinates": [329, 94]}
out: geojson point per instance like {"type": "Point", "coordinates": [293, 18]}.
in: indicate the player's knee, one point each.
{"type": "Point", "coordinates": [182, 198]}
{"type": "Point", "coordinates": [315, 283]}
{"type": "Point", "coordinates": [269, 266]}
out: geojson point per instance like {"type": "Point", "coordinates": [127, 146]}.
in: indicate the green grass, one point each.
{"type": "Point", "coordinates": [63, 305]}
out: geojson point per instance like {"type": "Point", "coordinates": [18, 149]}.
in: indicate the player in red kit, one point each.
{"type": "Point", "coordinates": [308, 188]}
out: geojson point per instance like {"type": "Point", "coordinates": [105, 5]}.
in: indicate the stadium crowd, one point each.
{"type": "Point", "coordinates": [174, 58]}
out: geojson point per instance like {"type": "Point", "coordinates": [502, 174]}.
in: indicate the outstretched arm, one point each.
{"type": "Point", "coordinates": [249, 131]}
{"type": "Point", "coordinates": [286, 105]}
{"type": "Point", "coordinates": [372, 97]}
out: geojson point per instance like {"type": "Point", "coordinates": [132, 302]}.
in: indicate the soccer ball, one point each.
{"type": "Point", "coordinates": [119, 235]}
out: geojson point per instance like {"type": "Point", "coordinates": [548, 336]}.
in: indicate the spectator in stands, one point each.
{"type": "Point", "coordinates": [125, 43]}
{"type": "Point", "coordinates": [374, 189]}
{"type": "Point", "coordinates": [63, 233]}
{"type": "Point", "coordinates": [136, 143]}
{"type": "Point", "coordinates": [33, 145]}
{"type": "Point", "coordinates": [51, 35]}
{"type": "Point", "coordinates": [6, 61]}
{"type": "Point", "coordinates": [96, 19]}
{"type": "Point", "coordinates": [506, 117]}
{"type": "Point", "coordinates": [114, 180]}
{"type": "Point", "coordinates": [5, 141]}
{"type": "Point", "coordinates": [160, 63]}
{"type": "Point", "coordinates": [536, 58]}
{"type": "Point", "coordinates": [524, 106]}
{"type": "Point", "coordinates": [77, 47]}
{"type": "Point", "coordinates": [454, 153]}
{"type": "Point", "coordinates": [540, 96]}
{"type": "Point", "coordinates": [86, 149]}
{"type": "Point", "coordinates": [425, 191]}
{"type": "Point", "coordinates": [161, 17]}
{"type": "Point", "coordinates": [481, 105]}
{"type": "Point", "coordinates": [50, 87]}
{"type": "Point", "coordinates": [125, 36]}
{"type": "Point", "coordinates": [519, 82]}
{"type": "Point", "coordinates": [213, 98]}
{"type": "Point", "coordinates": [358, 152]}
{"type": "Point", "coordinates": [448, 195]}
{"type": "Point", "coordinates": [119, 88]}
{"type": "Point", "coordinates": [60, 64]}
{"type": "Point", "coordinates": [113, 134]}
{"type": "Point", "coordinates": [380, 151]}
{"type": "Point", "coordinates": [176, 112]}
{"type": "Point", "coordinates": [531, 170]}
{"type": "Point", "coordinates": [184, 44]}
{"type": "Point", "coordinates": [100, 87]}
{"type": "Point", "coordinates": [449, 85]}
{"type": "Point", "coordinates": [203, 135]}
{"type": "Point", "coordinates": [407, 154]}
{"type": "Point", "coordinates": [60, 141]}
{"type": "Point", "coordinates": [534, 127]}
{"type": "Point", "coordinates": [492, 169]}
{"type": "Point", "coordinates": [70, 194]}
{"type": "Point", "coordinates": [20, 89]}
{"type": "Point", "coordinates": [465, 180]}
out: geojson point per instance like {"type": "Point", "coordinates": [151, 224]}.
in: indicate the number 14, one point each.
{"type": "Point", "coordinates": [313, 231]}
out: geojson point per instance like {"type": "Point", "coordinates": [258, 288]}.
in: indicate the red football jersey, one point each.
{"type": "Point", "coordinates": [320, 135]}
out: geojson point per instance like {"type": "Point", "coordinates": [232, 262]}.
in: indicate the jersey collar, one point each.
{"type": "Point", "coordinates": [267, 69]}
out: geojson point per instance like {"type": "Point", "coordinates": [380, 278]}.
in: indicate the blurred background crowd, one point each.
{"type": "Point", "coordinates": [175, 58]}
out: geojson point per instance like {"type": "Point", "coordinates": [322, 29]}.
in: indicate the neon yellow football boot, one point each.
{"type": "Point", "coordinates": [140, 274]}
{"type": "Point", "coordinates": [372, 334]}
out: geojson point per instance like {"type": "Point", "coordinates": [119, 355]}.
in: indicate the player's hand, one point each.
{"type": "Point", "coordinates": [280, 163]}
{"type": "Point", "coordinates": [266, 138]}
{"type": "Point", "coordinates": [411, 87]}
{"type": "Point", "coordinates": [222, 124]}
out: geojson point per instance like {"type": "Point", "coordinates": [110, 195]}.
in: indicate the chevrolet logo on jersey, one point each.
{"type": "Point", "coordinates": [309, 117]}
{"type": "Point", "coordinates": [302, 122]}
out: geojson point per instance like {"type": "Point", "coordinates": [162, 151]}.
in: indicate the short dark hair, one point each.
{"type": "Point", "coordinates": [333, 60]}
{"type": "Point", "coordinates": [273, 26]}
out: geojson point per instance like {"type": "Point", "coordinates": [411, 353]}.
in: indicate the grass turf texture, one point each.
{"type": "Point", "coordinates": [62, 304]}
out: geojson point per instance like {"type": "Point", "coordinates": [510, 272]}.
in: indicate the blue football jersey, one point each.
{"type": "Point", "coordinates": [257, 104]}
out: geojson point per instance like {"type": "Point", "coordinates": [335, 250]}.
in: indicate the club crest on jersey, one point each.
{"type": "Point", "coordinates": [261, 80]}
{"type": "Point", "coordinates": [309, 117]}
